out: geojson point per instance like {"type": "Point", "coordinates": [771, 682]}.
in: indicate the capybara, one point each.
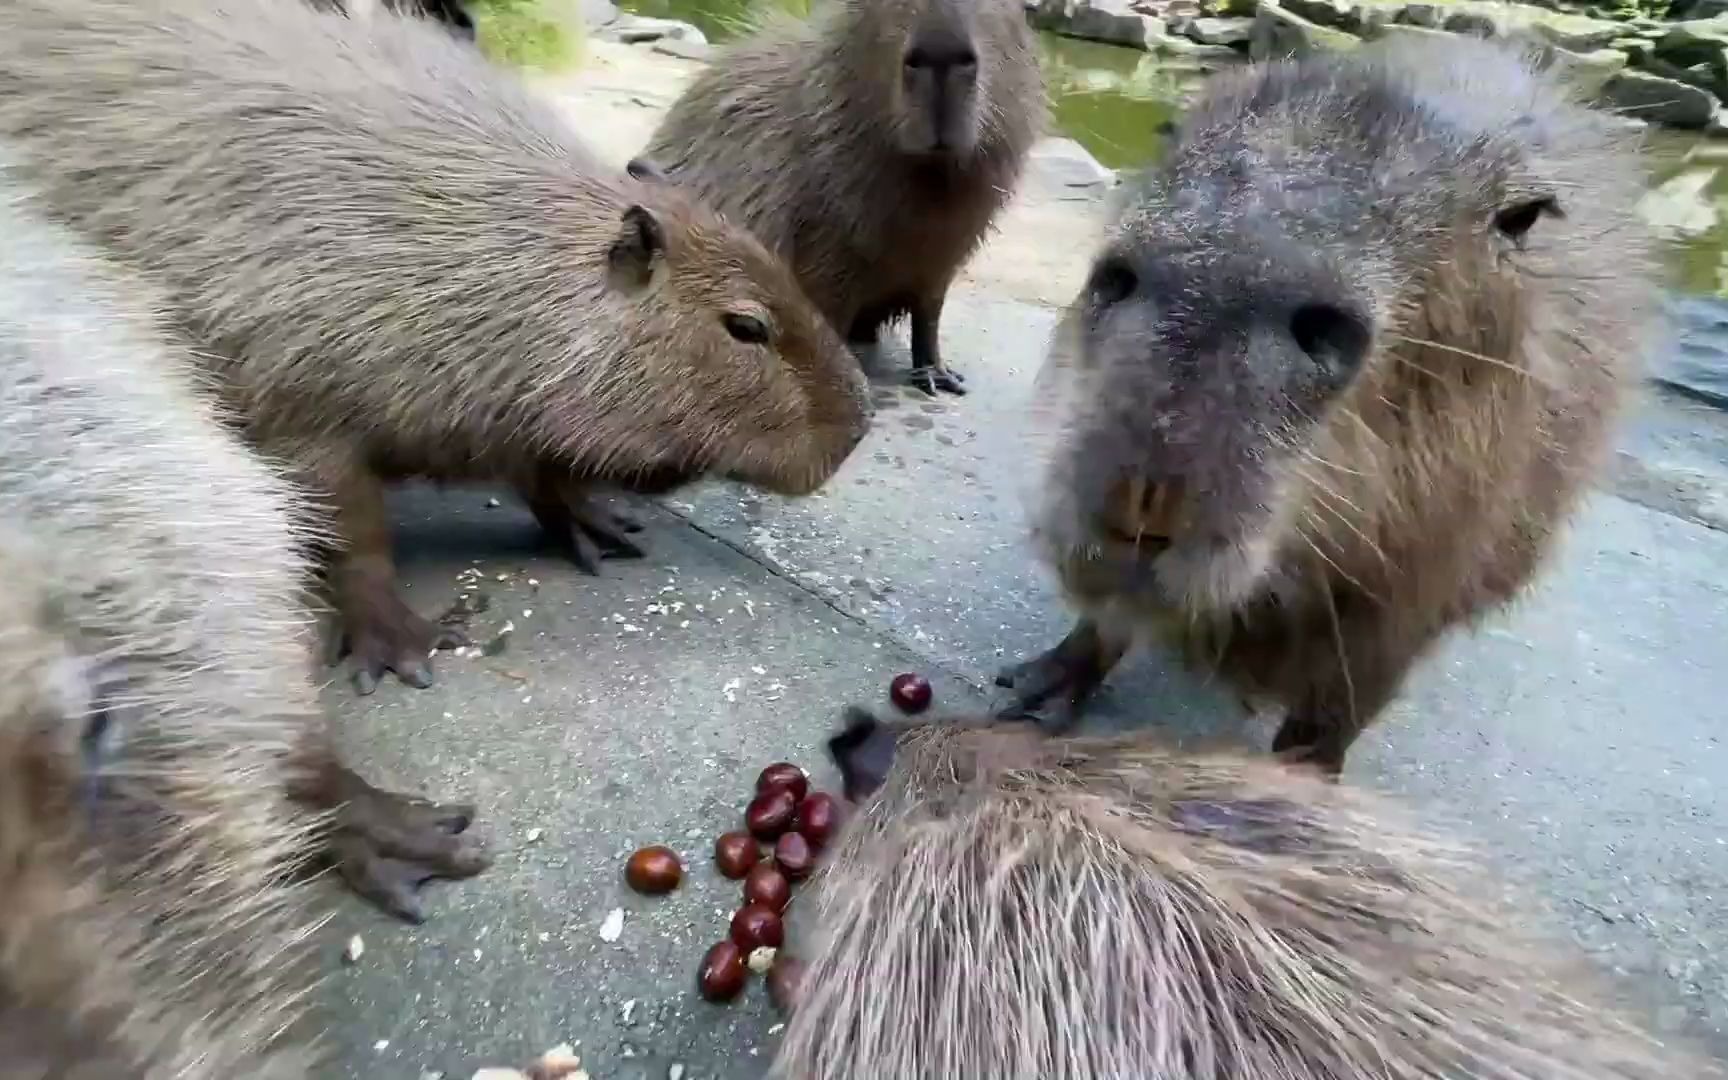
{"type": "Point", "coordinates": [1005, 904]}
{"type": "Point", "coordinates": [400, 263]}
{"type": "Point", "coordinates": [165, 774]}
{"type": "Point", "coordinates": [452, 13]}
{"type": "Point", "coordinates": [1327, 396]}
{"type": "Point", "coordinates": [871, 146]}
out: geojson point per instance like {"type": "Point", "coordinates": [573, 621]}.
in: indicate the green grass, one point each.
{"type": "Point", "coordinates": [542, 34]}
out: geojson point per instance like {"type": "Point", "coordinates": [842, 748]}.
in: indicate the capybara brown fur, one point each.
{"type": "Point", "coordinates": [400, 263]}
{"type": "Point", "coordinates": [871, 145]}
{"type": "Point", "coordinates": [165, 773]}
{"type": "Point", "coordinates": [1004, 905]}
{"type": "Point", "coordinates": [1328, 396]}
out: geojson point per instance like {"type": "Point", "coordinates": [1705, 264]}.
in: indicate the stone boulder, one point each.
{"type": "Point", "coordinates": [1234, 32]}
{"type": "Point", "coordinates": [642, 30]}
{"type": "Point", "coordinates": [1063, 169]}
{"type": "Point", "coordinates": [1113, 22]}
{"type": "Point", "coordinates": [1331, 14]}
{"type": "Point", "coordinates": [1578, 33]}
{"type": "Point", "coordinates": [1649, 97]}
{"type": "Point", "coordinates": [1279, 33]}
{"type": "Point", "coordinates": [1697, 47]}
{"type": "Point", "coordinates": [1480, 24]}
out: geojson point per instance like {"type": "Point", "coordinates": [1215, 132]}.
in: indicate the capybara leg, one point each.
{"type": "Point", "coordinates": [380, 631]}
{"type": "Point", "coordinates": [1054, 686]}
{"type": "Point", "coordinates": [1355, 671]}
{"type": "Point", "coordinates": [929, 373]}
{"type": "Point", "coordinates": [384, 845]}
{"type": "Point", "coordinates": [580, 527]}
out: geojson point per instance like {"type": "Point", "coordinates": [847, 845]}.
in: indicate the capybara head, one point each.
{"type": "Point", "coordinates": [1335, 281]}
{"type": "Point", "coordinates": [758, 385]}
{"type": "Point", "coordinates": [937, 60]}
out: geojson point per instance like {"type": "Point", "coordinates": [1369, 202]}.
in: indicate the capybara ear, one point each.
{"type": "Point", "coordinates": [641, 239]}
{"type": "Point", "coordinates": [863, 752]}
{"type": "Point", "coordinates": [644, 169]}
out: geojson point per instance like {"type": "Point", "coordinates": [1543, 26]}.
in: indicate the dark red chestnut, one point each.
{"type": "Point", "coordinates": [756, 925]}
{"type": "Point", "coordinates": [783, 774]}
{"type": "Point", "coordinates": [735, 853]}
{"type": "Point", "coordinates": [766, 885]}
{"type": "Point", "coordinates": [817, 818]}
{"type": "Point", "coordinates": [723, 973]}
{"type": "Point", "coordinates": [794, 855]}
{"type": "Point", "coordinates": [784, 980]}
{"type": "Point", "coordinates": [770, 813]}
{"type": "Point", "coordinates": [654, 870]}
{"type": "Point", "coordinates": [910, 692]}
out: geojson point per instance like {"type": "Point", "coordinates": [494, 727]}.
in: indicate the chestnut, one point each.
{"type": "Point", "coordinates": [769, 814]}
{"type": "Point", "coordinates": [910, 692]}
{"type": "Point", "coordinates": [794, 856]}
{"type": "Point", "coordinates": [735, 853]}
{"type": "Point", "coordinates": [723, 973]}
{"type": "Point", "coordinates": [784, 979]}
{"type": "Point", "coordinates": [654, 870]}
{"type": "Point", "coordinates": [784, 774]}
{"type": "Point", "coordinates": [766, 885]}
{"type": "Point", "coordinates": [756, 925]}
{"type": "Point", "coordinates": [817, 818]}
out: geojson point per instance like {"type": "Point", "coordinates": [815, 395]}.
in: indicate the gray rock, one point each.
{"type": "Point", "coordinates": [1698, 9]}
{"type": "Point", "coordinates": [685, 50]}
{"type": "Point", "coordinates": [1576, 32]}
{"type": "Point", "coordinates": [1235, 31]}
{"type": "Point", "coordinates": [598, 12]}
{"type": "Point", "coordinates": [1280, 33]}
{"type": "Point", "coordinates": [1664, 101]}
{"type": "Point", "coordinates": [640, 29]}
{"type": "Point", "coordinates": [1406, 30]}
{"type": "Point", "coordinates": [1064, 168]}
{"type": "Point", "coordinates": [1472, 23]}
{"type": "Point", "coordinates": [1332, 14]}
{"type": "Point", "coordinates": [1424, 15]}
{"type": "Point", "coordinates": [1113, 22]}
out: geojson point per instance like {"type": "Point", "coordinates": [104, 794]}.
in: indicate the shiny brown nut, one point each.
{"type": "Point", "coordinates": [910, 692]}
{"type": "Point", "coordinates": [770, 814]}
{"type": "Point", "coordinates": [817, 818]}
{"type": "Point", "coordinates": [723, 973]}
{"type": "Point", "coordinates": [735, 853]}
{"type": "Point", "coordinates": [794, 856]}
{"type": "Point", "coordinates": [766, 885]}
{"type": "Point", "coordinates": [654, 870]}
{"type": "Point", "coordinates": [785, 979]}
{"type": "Point", "coordinates": [784, 774]}
{"type": "Point", "coordinates": [756, 925]}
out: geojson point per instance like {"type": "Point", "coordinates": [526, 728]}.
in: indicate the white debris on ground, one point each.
{"type": "Point", "coordinates": [613, 928]}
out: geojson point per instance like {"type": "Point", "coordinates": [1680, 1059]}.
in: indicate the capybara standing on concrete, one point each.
{"type": "Point", "coordinates": [1339, 376]}
{"type": "Point", "coordinates": [400, 263]}
{"type": "Point", "coordinates": [1005, 905]}
{"type": "Point", "coordinates": [870, 146]}
{"type": "Point", "coordinates": [158, 722]}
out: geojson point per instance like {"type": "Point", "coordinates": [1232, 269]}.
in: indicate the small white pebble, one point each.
{"type": "Point", "coordinates": [627, 1011]}
{"type": "Point", "coordinates": [534, 835]}
{"type": "Point", "coordinates": [685, 625]}
{"type": "Point", "coordinates": [758, 669]}
{"type": "Point", "coordinates": [632, 628]}
{"type": "Point", "coordinates": [613, 928]}
{"type": "Point", "coordinates": [676, 1072]}
{"type": "Point", "coordinates": [492, 504]}
{"type": "Point", "coordinates": [777, 1029]}
{"type": "Point", "coordinates": [760, 960]}
{"type": "Point", "coordinates": [500, 1074]}
{"type": "Point", "coordinates": [534, 582]}
{"type": "Point", "coordinates": [527, 613]}
{"type": "Point", "coordinates": [355, 950]}
{"type": "Point", "coordinates": [381, 1045]}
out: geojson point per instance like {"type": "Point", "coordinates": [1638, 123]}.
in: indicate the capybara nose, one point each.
{"type": "Point", "coordinates": [1334, 338]}
{"type": "Point", "coordinates": [1142, 511]}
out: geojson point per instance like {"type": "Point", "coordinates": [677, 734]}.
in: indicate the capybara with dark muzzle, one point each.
{"type": "Point", "coordinates": [165, 770]}
{"type": "Point", "coordinates": [871, 146]}
{"type": "Point", "coordinates": [401, 263]}
{"type": "Point", "coordinates": [1342, 371]}
{"type": "Point", "coordinates": [1004, 905]}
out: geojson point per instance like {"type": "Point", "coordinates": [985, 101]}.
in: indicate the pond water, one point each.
{"type": "Point", "coordinates": [1112, 100]}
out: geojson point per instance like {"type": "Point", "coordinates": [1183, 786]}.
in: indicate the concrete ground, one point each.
{"type": "Point", "coordinates": [1579, 738]}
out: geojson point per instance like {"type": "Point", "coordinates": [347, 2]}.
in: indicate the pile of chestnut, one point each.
{"type": "Point", "coordinates": [795, 824]}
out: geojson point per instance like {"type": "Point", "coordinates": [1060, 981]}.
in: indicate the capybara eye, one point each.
{"type": "Point", "coordinates": [1514, 221]}
{"type": "Point", "coordinates": [916, 59]}
{"type": "Point", "coordinates": [965, 59]}
{"type": "Point", "coordinates": [1334, 339]}
{"type": "Point", "coordinates": [1113, 281]}
{"type": "Point", "coordinates": [746, 328]}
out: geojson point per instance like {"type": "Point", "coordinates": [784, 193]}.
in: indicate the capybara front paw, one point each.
{"type": "Point", "coordinates": [387, 846]}
{"type": "Point", "coordinates": [937, 377]}
{"type": "Point", "coordinates": [596, 533]}
{"type": "Point", "coordinates": [1049, 689]}
{"type": "Point", "coordinates": [391, 637]}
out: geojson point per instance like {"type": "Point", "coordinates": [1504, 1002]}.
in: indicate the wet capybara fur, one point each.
{"type": "Point", "coordinates": [400, 263]}
{"type": "Point", "coordinates": [165, 773]}
{"type": "Point", "coordinates": [1004, 905]}
{"type": "Point", "coordinates": [1325, 397]}
{"type": "Point", "coordinates": [870, 145]}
